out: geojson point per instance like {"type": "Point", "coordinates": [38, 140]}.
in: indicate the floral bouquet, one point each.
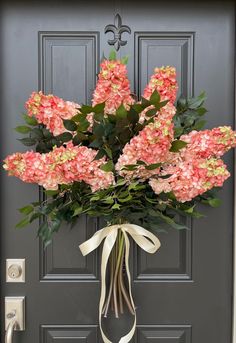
{"type": "Point", "coordinates": [138, 164]}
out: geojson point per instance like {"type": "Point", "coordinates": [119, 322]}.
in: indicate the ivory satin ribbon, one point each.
{"type": "Point", "coordinates": [145, 239]}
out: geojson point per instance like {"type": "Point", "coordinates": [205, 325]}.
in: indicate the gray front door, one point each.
{"type": "Point", "coordinates": [184, 292]}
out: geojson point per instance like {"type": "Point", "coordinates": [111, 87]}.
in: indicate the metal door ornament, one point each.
{"type": "Point", "coordinates": [117, 29]}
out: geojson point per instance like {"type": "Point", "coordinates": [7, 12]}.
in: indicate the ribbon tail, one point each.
{"type": "Point", "coordinates": [129, 335]}
{"type": "Point", "coordinates": [106, 251]}
{"type": "Point", "coordinates": [145, 239]}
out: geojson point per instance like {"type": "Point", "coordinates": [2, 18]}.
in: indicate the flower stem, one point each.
{"type": "Point", "coordinates": [119, 249]}
{"type": "Point", "coordinates": [106, 306]}
{"type": "Point", "coordinates": [117, 293]}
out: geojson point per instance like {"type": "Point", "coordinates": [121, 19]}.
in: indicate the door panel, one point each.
{"type": "Point", "coordinates": [183, 292]}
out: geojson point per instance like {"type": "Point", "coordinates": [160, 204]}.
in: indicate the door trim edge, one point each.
{"type": "Point", "coordinates": [234, 219]}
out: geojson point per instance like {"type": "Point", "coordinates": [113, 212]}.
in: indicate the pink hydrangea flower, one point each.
{"type": "Point", "coordinates": [151, 145]}
{"type": "Point", "coordinates": [197, 167]}
{"type": "Point", "coordinates": [113, 86]}
{"type": "Point", "coordinates": [63, 165]}
{"type": "Point", "coordinates": [50, 110]}
{"type": "Point", "coordinates": [192, 171]}
{"type": "Point", "coordinates": [215, 142]}
{"type": "Point", "coordinates": [28, 166]}
{"type": "Point", "coordinates": [164, 81]}
{"type": "Point", "coordinates": [190, 178]}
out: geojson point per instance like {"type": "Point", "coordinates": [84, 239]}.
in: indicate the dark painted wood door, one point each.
{"type": "Point", "coordinates": [183, 292]}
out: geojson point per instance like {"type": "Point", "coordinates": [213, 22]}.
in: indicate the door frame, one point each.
{"type": "Point", "coordinates": [234, 231]}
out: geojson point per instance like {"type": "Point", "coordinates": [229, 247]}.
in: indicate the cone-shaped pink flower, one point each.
{"type": "Point", "coordinates": [151, 145]}
{"type": "Point", "coordinates": [63, 165]}
{"type": "Point", "coordinates": [113, 86]}
{"type": "Point", "coordinates": [50, 111]}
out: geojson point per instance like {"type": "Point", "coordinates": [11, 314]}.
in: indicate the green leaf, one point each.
{"type": "Point", "coordinates": [65, 137]}
{"type": "Point", "coordinates": [100, 154]}
{"type": "Point", "coordinates": [151, 113]}
{"type": "Point", "coordinates": [141, 163]}
{"type": "Point", "coordinates": [108, 151]}
{"type": "Point", "coordinates": [133, 116]}
{"type": "Point", "coordinates": [155, 97]}
{"type": "Point", "coordinates": [78, 117]}
{"type": "Point", "coordinates": [99, 130]}
{"type": "Point", "coordinates": [83, 126]}
{"type": "Point", "coordinates": [167, 220]}
{"type": "Point", "coordinates": [178, 131]}
{"type": "Point", "coordinates": [47, 134]}
{"type": "Point", "coordinates": [51, 192]}
{"type": "Point", "coordinates": [107, 167]}
{"type": "Point", "coordinates": [36, 133]}
{"type": "Point", "coordinates": [162, 103]}
{"type": "Point", "coordinates": [145, 102]}
{"type": "Point", "coordinates": [109, 128]}
{"type": "Point", "coordinates": [34, 216]}
{"type": "Point", "coordinates": [23, 129]}
{"type": "Point", "coordinates": [116, 207]}
{"type": "Point", "coordinates": [215, 202]}
{"type": "Point", "coordinates": [120, 182]}
{"type": "Point", "coordinates": [164, 176]}
{"type": "Point", "coordinates": [108, 200]}
{"type": "Point", "coordinates": [69, 125]}
{"type": "Point", "coordinates": [112, 55]}
{"type": "Point", "coordinates": [41, 147]}
{"type": "Point", "coordinates": [201, 111]}
{"type": "Point", "coordinates": [55, 224]}
{"type": "Point", "coordinates": [137, 107]}
{"type": "Point", "coordinates": [45, 233]}
{"type": "Point", "coordinates": [26, 209]}
{"type": "Point", "coordinates": [99, 108]}
{"type": "Point", "coordinates": [126, 199]}
{"type": "Point", "coordinates": [96, 143]}
{"type": "Point", "coordinates": [153, 166]}
{"type": "Point", "coordinates": [27, 141]}
{"type": "Point", "coordinates": [190, 209]}
{"type": "Point", "coordinates": [30, 120]}
{"type": "Point", "coordinates": [182, 103]}
{"type": "Point", "coordinates": [130, 167]}
{"type": "Point", "coordinates": [84, 109]}
{"type": "Point", "coordinates": [22, 223]}
{"type": "Point", "coordinates": [177, 145]}
{"type": "Point", "coordinates": [76, 140]}
{"type": "Point", "coordinates": [199, 125]}
{"type": "Point", "coordinates": [198, 101]}
{"type": "Point", "coordinates": [77, 211]}
{"type": "Point", "coordinates": [121, 112]}
{"type": "Point", "coordinates": [81, 136]}
{"type": "Point", "coordinates": [189, 121]}
{"type": "Point", "coordinates": [98, 117]}
{"type": "Point", "coordinates": [124, 60]}
{"type": "Point", "coordinates": [136, 186]}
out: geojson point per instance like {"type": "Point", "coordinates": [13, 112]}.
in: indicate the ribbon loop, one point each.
{"type": "Point", "coordinates": [145, 239]}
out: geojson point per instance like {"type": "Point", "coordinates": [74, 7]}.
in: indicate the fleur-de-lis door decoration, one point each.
{"type": "Point", "coordinates": [117, 29]}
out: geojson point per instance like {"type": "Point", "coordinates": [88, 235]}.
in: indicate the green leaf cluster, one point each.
{"type": "Point", "coordinates": [189, 115]}
{"type": "Point", "coordinates": [132, 201]}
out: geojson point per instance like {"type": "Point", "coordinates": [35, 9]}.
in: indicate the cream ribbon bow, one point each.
{"type": "Point", "coordinates": [150, 244]}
